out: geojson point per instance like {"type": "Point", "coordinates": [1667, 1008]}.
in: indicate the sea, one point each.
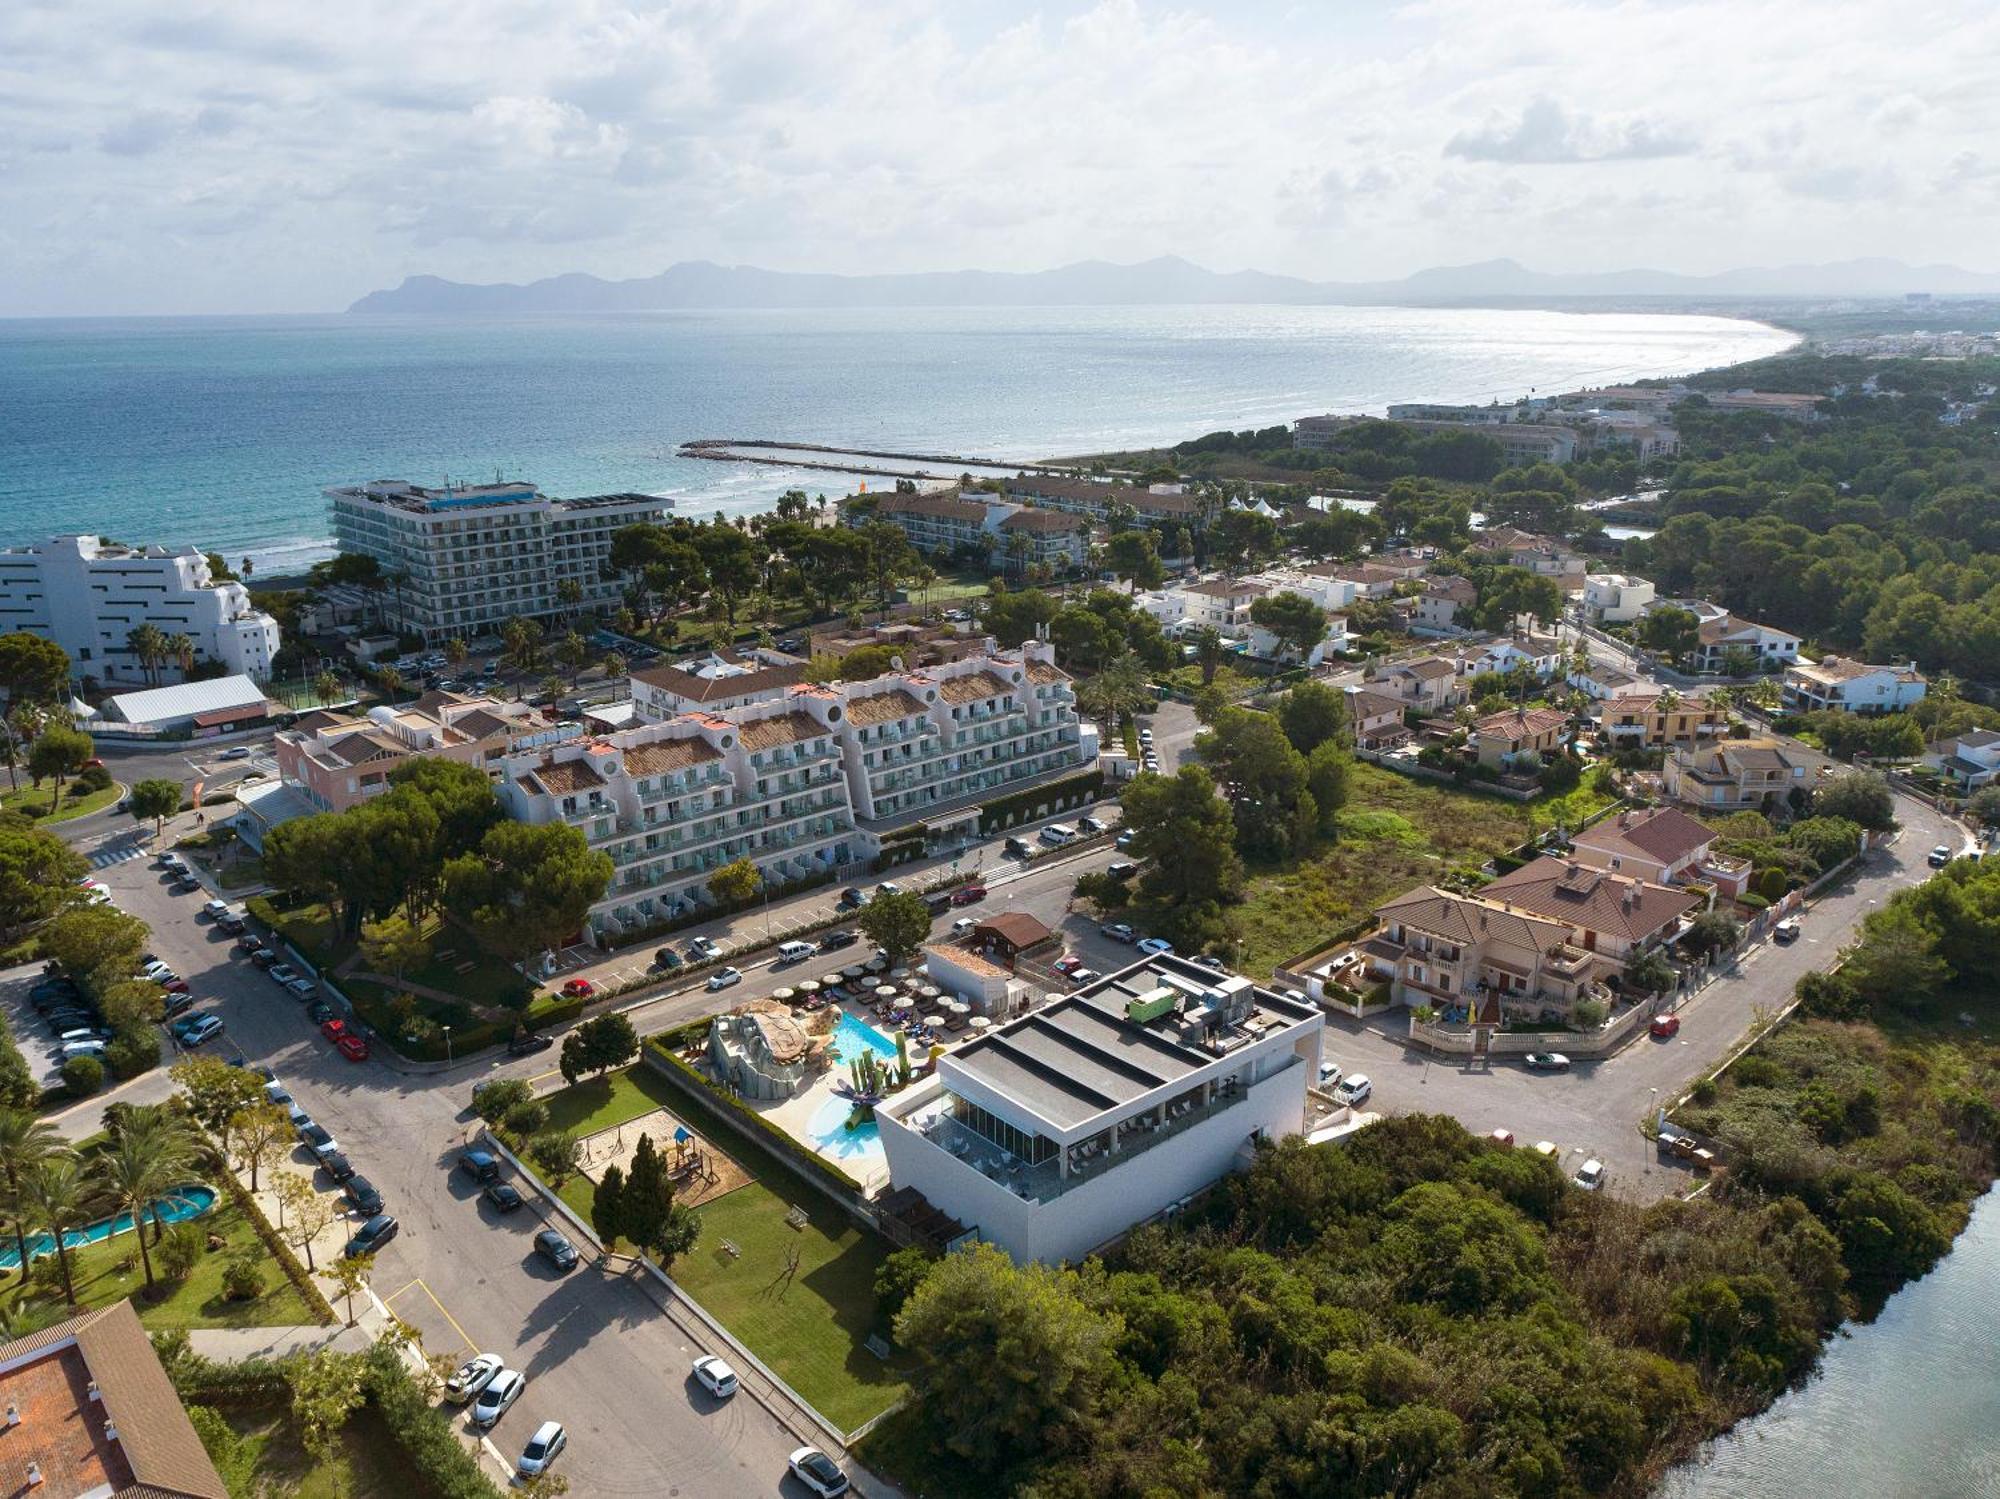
{"type": "Point", "coordinates": [223, 432]}
{"type": "Point", "coordinates": [1904, 1407]}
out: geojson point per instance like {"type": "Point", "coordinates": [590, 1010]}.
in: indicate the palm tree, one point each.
{"type": "Point", "coordinates": [180, 649]}
{"type": "Point", "coordinates": [616, 666]}
{"type": "Point", "coordinates": [149, 645]}
{"type": "Point", "coordinates": [150, 1157]}
{"type": "Point", "coordinates": [1018, 548]}
{"type": "Point", "coordinates": [25, 1142]}
{"type": "Point", "coordinates": [326, 687]}
{"type": "Point", "coordinates": [59, 1196]}
{"type": "Point", "coordinates": [1208, 652]}
{"type": "Point", "coordinates": [390, 681]}
{"type": "Point", "coordinates": [456, 651]}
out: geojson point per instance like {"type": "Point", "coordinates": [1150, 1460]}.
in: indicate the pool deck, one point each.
{"type": "Point", "coordinates": [795, 1115]}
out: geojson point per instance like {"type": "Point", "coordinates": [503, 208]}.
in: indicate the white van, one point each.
{"type": "Point", "coordinates": [795, 952]}
{"type": "Point", "coordinates": [1057, 834]}
{"type": "Point", "coordinates": [1354, 1090]}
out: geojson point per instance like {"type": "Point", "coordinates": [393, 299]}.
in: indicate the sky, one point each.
{"type": "Point", "coordinates": [276, 156]}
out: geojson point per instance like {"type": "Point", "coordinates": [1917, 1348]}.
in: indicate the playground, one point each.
{"type": "Point", "coordinates": [700, 1172]}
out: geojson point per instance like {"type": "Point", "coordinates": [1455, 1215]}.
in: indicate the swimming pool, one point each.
{"type": "Point", "coordinates": [178, 1206]}
{"type": "Point", "coordinates": [853, 1036]}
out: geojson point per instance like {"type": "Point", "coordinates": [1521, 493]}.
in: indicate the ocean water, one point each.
{"type": "Point", "coordinates": [1907, 1407]}
{"type": "Point", "coordinates": [223, 431]}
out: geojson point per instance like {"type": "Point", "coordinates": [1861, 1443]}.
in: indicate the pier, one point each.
{"type": "Point", "coordinates": [824, 456]}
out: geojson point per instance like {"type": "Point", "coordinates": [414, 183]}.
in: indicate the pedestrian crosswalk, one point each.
{"type": "Point", "coordinates": [108, 854]}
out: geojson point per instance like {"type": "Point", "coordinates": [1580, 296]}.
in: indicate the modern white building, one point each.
{"type": "Point", "coordinates": [1834, 684]}
{"type": "Point", "coordinates": [1061, 1130]}
{"type": "Point", "coordinates": [88, 596]}
{"type": "Point", "coordinates": [218, 705]}
{"type": "Point", "coordinates": [1614, 598]}
{"type": "Point", "coordinates": [468, 558]}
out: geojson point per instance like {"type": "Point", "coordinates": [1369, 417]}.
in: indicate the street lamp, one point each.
{"type": "Point", "coordinates": [447, 1046]}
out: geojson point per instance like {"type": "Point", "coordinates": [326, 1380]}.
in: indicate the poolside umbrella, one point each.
{"type": "Point", "coordinates": [887, 991]}
{"type": "Point", "coordinates": [899, 974]}
{"type": "Point", "coordinates": [876, 965]}
{"type": "Point", "coordinates": [981, 1023]}
{"type": "Point", "coordinates": [927, 991]}
{"type": "Point", "coordinates": [781, 994]}
{"type": "Point", "coordinates": [852, 971]}
{"type": "Point", "coordinates": [808, 986]}
{"type": "Point", "coordinates": [935, 1022]}
{"type": "Point", "coordinates": [958, 1007]}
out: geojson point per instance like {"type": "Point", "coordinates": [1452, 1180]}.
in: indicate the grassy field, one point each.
{"type": "Point", "coordinates": [269, 1461]}
{"type": "Point", "coordinates": [1395, 833]}
{"type": "Point", "coordinates": [111, 1271]}
{"type": "Point", "coordinates": [34, 802]}
{"type": "Point", "coordinates": [809, 1327]}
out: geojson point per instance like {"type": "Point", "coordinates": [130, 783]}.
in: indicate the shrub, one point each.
{"type": "Point", "coordinates": [243, 1276]}
{"type": "Point", "coordinates": [492, 1101]}
{"type": "Point", "coordinates": [90, 778]}
{"type": "Point", "coordinates": [278, 1249]}
{"type": "Point", "coordinates": [180, 1251]}
{"type": "Point", "coordinates": [527, 1117]}
{"type": "Point", "coordinates": [82, 1076]}
{"type": "Point", "coordinates": [135, 1049]}
{"type": "Point", "coordinates": [448, 1469]}
{"type": "Point", "coordinates": [1588, 1013]}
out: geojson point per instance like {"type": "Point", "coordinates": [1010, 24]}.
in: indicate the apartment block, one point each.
{"type": "Point", "coordinates": [962, 521]}
{"type": "Point", "coordinates": [1614, 598]}
{"type": "Point", "coordinates": [1059, 1131]}
{"type": "Point", "coordinates": [89, 595]}
{"type": "Point", "coordinates": [1100, 500]}
{"type": "Point", "coordinates": [1445, 606]}
{"type": "Point", "coordinates": [339, 760]}
{"type": "Point", "coordinates": [1733, 775]}
{"type": "Point", "coordinates": [1834, 684]}
{"type": "Point", "coordinates": [467, 558]}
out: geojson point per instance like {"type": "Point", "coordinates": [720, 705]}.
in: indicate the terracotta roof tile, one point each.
{"type": "Point", "coordinates": [1592, 899]}
{"type": "Point", "coordinates": [972, 688]}
{"type": "Point", "coordinates": [784, 728]}
{"type": "Point", "coordinates": [665, 756]}
{"type": "Point", "coordinates": [881, 707]}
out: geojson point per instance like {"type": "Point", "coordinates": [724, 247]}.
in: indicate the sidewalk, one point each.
{"type": "Point", "coordinates": [234, 1344]}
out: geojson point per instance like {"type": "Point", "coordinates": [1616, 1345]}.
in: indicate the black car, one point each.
{"type": "Point", "coordinates": [667, 958]}
{"type": "Point", "coordinates": [1121, 869]}
{"type": "Point", "coordinates": [361, 1195]}
{"type": "Point", "coordinates": [186, 884]}
{"type": "Point", "coordinates": [557, 1250]}
{"type": "Point", "coordinates": [319, 1012]}
{"type": "Point", "coordinates": [176, 1004]}
{"type": "Point", "coordinates": [264, 957]}
{"type": "Point", "coordinates": [337, 1166]}
{"type": "Point", "coordinates": [851, 899]}
{"type": "Point", "coordinates": [834, 941]}
{"type": "Point", "coordinates": [250, 943]}
{"type": "Point", "coordinates": [504, 1197]}
{"type": "Point", "coordinates": [528, 1043]}
{"type": "Point", "coordinates": [372, 1235]}
{"type": "Point", "coordinates": [1018, 848]}
{"type": "Point", "coordinates": [50, 993]}
{"type": "Point", "coordinates": [480, 1165]}
{"type": "Point", "coordinates": [68, 1020]}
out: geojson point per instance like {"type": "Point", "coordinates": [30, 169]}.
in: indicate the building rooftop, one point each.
{"type": "Point", "coordinates": [1048, 521]}
{"type": "Point", "coordinates": [1465, 920]}
{"type": "Point", "coordinates": [1045, 673]}
{"type": "Point", "coordinates": [882, 707]}
{"type": "Point", "coordinates": [1834, 669]}
{"type": "Point", "coordinates": [665, 756]}
{"type": "Point", "coordinates": [185, 699]}
{"type": "Point", "coordinates": [1120, 1038]}
{"type": "Point", "coordinates": [562, 777]}
{"type": "Point", "coordinates": [1365, 704]}
{"type": "Point", "coordinates": [783, 728]}
{"type": "Point", "coordinates": [1592, 899]}
{"type": "Point", "coordinates": [1521, 723]}
{"type": "Point", "coordinates": [722, 675]}
{"type": "Point", "coordinates": [939, 504]}
{"type": "Point", "coordinates": [972, 687]}
{"type": "Point", "coordinates": [1018, 928]}
{"type": "Point", "coordinates": [1666, 834]}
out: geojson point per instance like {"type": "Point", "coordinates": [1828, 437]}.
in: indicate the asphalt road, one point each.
{"type": "Point", "coordinates": [600, 1353]}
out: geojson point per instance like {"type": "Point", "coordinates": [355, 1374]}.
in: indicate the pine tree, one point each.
{"type": "Point", "coordinates": [607, 1205]}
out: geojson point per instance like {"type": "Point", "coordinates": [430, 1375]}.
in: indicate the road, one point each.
{"type": "Point", "coordinates": [600, 1353]}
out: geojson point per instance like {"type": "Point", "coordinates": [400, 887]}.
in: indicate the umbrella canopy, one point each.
{"type": "Point", "coordinates": [852, 971]}
{"type": "Point", "coordinates": [935, 1022]}
{"type": "Point", "coordinates": [808, 986]}
{"type": "Point", "coordinates": [958, 1007]}
{"type": "Point", "coordinates": [887, 991]}
{"type": "Point", "coordinates": [899, 973]}
{"type": "Point", "coordinates": [781, 994]}
{"type": "Point", "coordinates": [928, 991]}
{"type": "Point", "coordinates": [981, 1023]}
{"type": "Point", "coordinates": [876, 965]}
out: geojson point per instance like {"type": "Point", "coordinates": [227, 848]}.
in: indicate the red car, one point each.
{"type": "Point", "coordinates": [353, 1047]}
{"type": "Point", "coordinates": [1666, 1025]}
{"type": "Point", "coordinates": [965, 895]}
{"type": "Point", "coordinates": [175, 986]}
{"type": "Point", "coordinates": [333, 1029]}
{"type": "Point", "coordinates": [579, 989]}
{"type": "Point", "coordinates": [1068, 964]}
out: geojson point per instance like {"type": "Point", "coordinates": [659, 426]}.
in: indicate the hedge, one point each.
{"type": "Point", "coordinates": [448, 1468]}
{"type": "Point", "coordinates": [280, 1250]}
{"type": "Point", "coordinates": [209, 1380]}
{"type": "Point", "coordinates": [725, 1104]}
{"type": "Point", "coordinates": [18, 1088]}
{"type": "Point", "coordinates": [1074, 791]}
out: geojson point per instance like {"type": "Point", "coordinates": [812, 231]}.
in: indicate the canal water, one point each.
{"type": "Point", "coordinates": [1907, 1407]}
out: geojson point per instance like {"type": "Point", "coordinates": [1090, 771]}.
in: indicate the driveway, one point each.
{"type": "Point", "coordinates": [1597, 1107]}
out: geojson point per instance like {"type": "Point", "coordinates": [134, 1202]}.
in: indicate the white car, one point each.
{"type": "Point", "coordinates": [1591, 1176]}
{"type": "Point", "coordinates": [818, 1472]}
{"type": "Point", "coordinates": [473, 1376]}
{"type": "Point", "coordinates": [1156, 947]}
{"type": "Point", "coordinates": [722, 978]}
{"type": "Point", "coordinates": [716, 1377]}
{"type": "Point", "coordinates": [276, 1092]}
{"type": "Point", "coordinates": [1354, 1090]}
{"type": "Point", "coordinates": [963, 925]}
{"type": "Point", "coordinates": [501, 1391]}
{"type": "Point", "coordinates": [543, 1448]}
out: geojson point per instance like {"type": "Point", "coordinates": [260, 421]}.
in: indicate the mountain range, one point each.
{"type": "Point", "coordinates": [1167, 280]}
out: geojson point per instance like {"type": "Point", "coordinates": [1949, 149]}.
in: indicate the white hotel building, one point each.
{"type": "Point", "coordinates": [1059, 1131]}
{"type": "Point", "coordinates": [468, 558]}
{"type": "Point", "coordinates": [88, 596]}
{"type": "Point", "coordinates": [740, 758]}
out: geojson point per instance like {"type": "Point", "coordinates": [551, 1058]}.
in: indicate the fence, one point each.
{"type": "Point", "coordinates": [1607, 1038]}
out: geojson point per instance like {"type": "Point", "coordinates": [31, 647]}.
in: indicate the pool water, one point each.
{"type": "Point", "coordinates": [860, 1147]}
{"type": "Point", "coordinates": [177, 1206]}
{"type": "Point", "coordinates": [852, 1036]}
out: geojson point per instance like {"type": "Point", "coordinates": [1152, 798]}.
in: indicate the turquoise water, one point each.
{"type": "Point", "coordinates": [852, 1036]}
{"type": "Point", "coordinates": [189, 1202]}
{"type": "Point", "coordinates": [223, 431]}
{"type": "Point", "coordinates": [861, 1145]}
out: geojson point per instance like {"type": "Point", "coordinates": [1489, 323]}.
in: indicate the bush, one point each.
{"type": "Point", "coordinates": [82, 1076]}
{"type": "Point", "coordinates": [447, 1468]}
{"type": "Point", "coordinates": [179, 1252]}
{"type": "Point", "coordinates": [18, 1088]}
{"type": "Point", "coordinates": [527, 1117]}
{"type": "Point", "coordinates": [90, 778]}
{"type": "Point", "coordinates": [1588, 1014]}
{"type": "Point", "coordinates": [492, 1101]}
{"type": "Point", "coordinates": [278, 1249]}
{"type": "Point", "coordinates": [135, 1049]}
{"type": "Point", "coordinates": [243, 1276]}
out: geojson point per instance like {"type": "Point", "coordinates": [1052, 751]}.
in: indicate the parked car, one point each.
{"type": "Point", "coordinates": [1354, 1090]}
{"type": "Point", "coordinates": [1665, 1026]}
{"type": "Point", "coordinates": [529, 1042]}
{"type": "Point", "coordinates": [834, 941]}
{"type": "Point", "coordinates": [231, 923]}
{"type": "Point", "coordinates": [352, 1045]}
{"type": "Point", "coordinates": [1156, 947]}
{"type": "Point", "coordinates": [250, 944]}
{"type": "Point", "coordinates": [966, 895]}
{"type": "Point", "coordinates": [235, 752]}
{"type": "Point", "coordinates": [215, 910]}
{"type": "Point", "coordinates": [579, 989]}
{"type": "Point", "coordinates": [1121, 869]}
{"type": "Point", "coordinates": [1941, 856]}
{"type": "Point", "coordinates": [1548, 1150]}
{"type": "Point", "coordinates": [504, 1196]}
{"type": "Point", "coordinates": [501, 1391]}
{"type": "Point", "coordinates": [715, 1376]}
{"type": "Point", "coordinates": [1123, 841]}
{"type": "Point", "coordinates": [888, 887]}
{"type": "Point", "coordinates": [319, 1010]}
{"type": "Point", "coordinates": [666, 958]}
{"type": "Point", "coordinates": [319, 1140]}
{"type": "Point", "coordinates": [1118, 931]}
{"type": "Point", "coordinates": [337, 1166]}
{"type": "Point", "coordinates": [818, 1472]}
{"type": "Point", "coordinates": [557, 1250]}
{"type": "Point", "coordinates": [851, 899]}
{"type": "Point", "coordinates": [701, 949]}
{"type": "Point", "coordinates": [1786, 930]}
{"type": "Point", "coordinates": [282, 973]}
{"type": "Point", "coordinates": [1089, 826]}
{"type": "Point", "coordinates": [1502, 1137]}
{"type": "Point", "coordinates": [333, 1029]}
{"type": "Point", "coordinates": [480, 1165]}
{"type": "Point", "coordinates": [963, 926]}
{"type": "Point", "coordinates": [174, 985]}
{"type": "Point", "coordinates": [265, 958]}
{"type": "Point", "coordinates": [362, 1196]}
{"type": "Point", "coordinates": [197, 1030]}
{"type": "Point", "coordinates": [276, 1092]}
{"type": "Point", "coordinates": [722, 978]}
{"type": "Point", "coordinates": [186, 884]}
{"type": "Point", "coordinates": [302, 987]}
{"type": "Point", "coordinates": [1590, 1176]}
{"type": "Point", "coordinates": [1545, 1061]}
{"type": "Point", "coordinates": [1329, 1076]}
{"type": "Point", "coordinates": [1078, 977]}
{"type": "Point", "coordinates": [1067, 963]}
{"type": "Point", "coordinates": [176, 1004]}
{"type": "Point", "coordinates": [543, 1448]}
{"type": "Point", "coordinates": [474, 1375]}
{"type": "Point", "coordinates": [1211, 962]}
{"type": "Point", "coordinates": [371, 1236]}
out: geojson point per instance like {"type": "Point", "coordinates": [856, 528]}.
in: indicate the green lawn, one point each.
{"type": "Point", "coordinates": [111, 1271]}
{"type": "Point", "coordinates": [268, 1460]}
{"type": "Point", "coordinates": [35, 802]}
{"type": "Point", "coordinates": [1396, 832]}
{"type": "Point", "coordinates": [812, 1331]}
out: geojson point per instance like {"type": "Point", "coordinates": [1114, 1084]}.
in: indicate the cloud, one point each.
{"type": "Point", "coordinates": [1546, 133]}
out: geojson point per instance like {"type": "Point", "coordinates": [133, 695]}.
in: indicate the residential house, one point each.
{"type": "Point", "coordinates": [1318, 583]}
{"type": "Point", "coordinates": [1616, 914]}
{"type": "Point", "coordinates": [1500, 739]}
{"type": "Point", "coordinates": [1546, 556]}
{"type": "Point", "coordinates": [719, 682]}
{"type": "Point", "coordinates": [1431, 685]}
{"type": "Point", "coordinates": [1970, 761]}
{"type": "Point", "coordinates": [1222, 604]}
{"type": "Point", "coordinates": [339, 760]}
{"type": "Point", "coordinates": [1445, 606]}
{"type": "Point", "coordinates": [1614, 598]}
{"type": "Point", "coordinates": [1647, 720]}
{"type": "Point", "coordinates": [1375, 718]}
{"type": "Point", "coordinates": [1541, 658]}
{"type": "Point", "coordinates": [1405, 562]}
{"type": "Point", "coordinates": [1267, 647]}
{"type": "Point", "coordinates": [1663, 846]}
{"type": "Point", "coordinates": [1834, 684]}
{"type": "Point", "coordinates": [1366, 579]}
{"type": "Point", "coordinates": [1731, 775]}
{"type": "Point", "coordinates": [1720, 633]}
{"type": "Point", "coordinates": [1059, 1131]}
{"type": "Point", "coordinates": [1602, 682]}
{"type": "Point", "coordinates": [1464, 953]}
